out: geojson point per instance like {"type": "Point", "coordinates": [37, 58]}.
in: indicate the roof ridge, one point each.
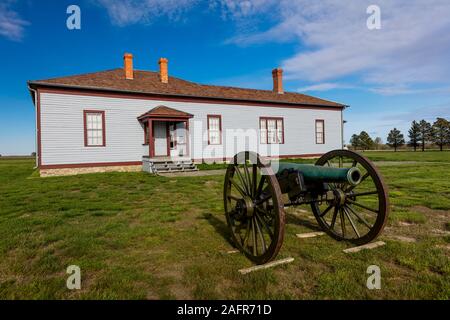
{"type": "Point", "coordinates": [76, 75]}
{"type": "Point", "coordinates": [235, 87]}
{"type": "Point", "coordinates": [146, 81]}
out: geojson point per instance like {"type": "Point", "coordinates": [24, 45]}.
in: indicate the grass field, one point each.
{"type": "Point", "coordinates": [403, 156]}
{"type": "Point", "coordinates": [136, 236]}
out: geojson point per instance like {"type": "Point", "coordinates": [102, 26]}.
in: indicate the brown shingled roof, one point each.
{"type": "Point", "coordinates": [163, 111]}
{"type": "Point", "coordinates": [147, 82]}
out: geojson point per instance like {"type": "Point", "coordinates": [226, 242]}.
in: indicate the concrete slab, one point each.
{"type": "Point", "coordinates": [371, 245]}
{"type": "Point", "coordinates": [310, 234]}
{"type": "Point", "coordinates": [267, 265]}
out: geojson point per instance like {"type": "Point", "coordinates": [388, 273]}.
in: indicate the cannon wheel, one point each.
{"type": "Point", "coordinates": [254, 207]}
{"type": "Point", "coordinates": [357, 213]}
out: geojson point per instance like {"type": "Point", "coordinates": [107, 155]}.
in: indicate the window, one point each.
{"type": "Point", "coordinates": [94, 128]}
{"type": "Point", "coordinates": [271, 130]}
{"type": "Point", "coordinates": [214, 129]}
{"type": "Point", "coordinates": [320, 131]}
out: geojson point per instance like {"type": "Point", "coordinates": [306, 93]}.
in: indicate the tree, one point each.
{"type": "Point", "coordinates": [441, 132]}
{"type": "Point", "coordinates": [424, 133]}
{"type": "Point", "coordinates": [395, 139]}
{"type": "Point", "coordinates": [414, 135]}
{"type": "Point", "coordinates": [378, 142]}
{"type": "Point", "coordinates": [365, 140]}
{"type": "Point", "coordinates": [355, 141]}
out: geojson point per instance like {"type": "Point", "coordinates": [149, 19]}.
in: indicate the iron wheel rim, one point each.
{"type": "Point", "coordinates": [354, 210]}
{"type": "Point", "coordinates": [264, 226]}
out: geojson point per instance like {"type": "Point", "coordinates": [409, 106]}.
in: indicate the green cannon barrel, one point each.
{"type": "Point", "coordinates": [312, 173]}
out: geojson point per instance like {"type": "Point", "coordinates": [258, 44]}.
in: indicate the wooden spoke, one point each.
{"type": "Point", "coordinates": [247, 177]}
{"type": "Point", "coordinates": [238, 187]}
{"type": "Point", "coordinates": [362, 206]}
{"type": "Point", "coordinates": [234, 197]}
{"type": "Point", "coordinates": [260, 186]}
{"type": "Point", "coordinates": [255, 249]}
{"type": "Point", "coordinates": [360, 218]}
{"type": "Point", "coordinates": [351, 222]}
{"type": "Point", "coordinates": [254, 180]}
{"type": "Point", "coordinates": [264, 212]}
{"type": "Point", "coordinates": [326, 210]}
{"type": "Point", "coordinates": [341, 215]}
{"type": "Point", "coordinates": [265, 199]}
{"type": "Point", "coordinates": [333, 220]}
{"type": "Point", "coordinates": [354, 210]}
{"type": "Point", "coordinates": [360, 194]}
{"type": "Point", "coordinates": [261, 236]}
{"type": "Point", "coordinates": [364, 177]}
{"type": "Point", "coordinates": [241, 179]}
{"type": "Point", "coordinates": [254, 208]}
{"type": "Point", "coordinates": [264, 224]}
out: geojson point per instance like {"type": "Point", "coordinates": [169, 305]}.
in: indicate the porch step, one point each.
{"type": "Point", "coordinates": [180, 170]}
{"type": "Point", "coordinates": [167, 166]}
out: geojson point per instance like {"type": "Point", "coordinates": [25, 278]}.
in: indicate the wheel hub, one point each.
{"type": "Point", "coordinates": [245, 207]}
{"type": "Point", "coordinates": [339, 197]}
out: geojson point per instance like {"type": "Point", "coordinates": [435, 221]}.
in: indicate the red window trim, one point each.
{"type": "Point", "coordinates": [323, 131]}
{"type": "Point", "coordinates": [85, 112]}
{"type": "Point", "coordinates": [220, 128]}
{"type": "Point", "coordinates": [276, 128]}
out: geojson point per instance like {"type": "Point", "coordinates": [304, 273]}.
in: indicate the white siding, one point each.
{"type": "Point", "coordinates": [62, 130]}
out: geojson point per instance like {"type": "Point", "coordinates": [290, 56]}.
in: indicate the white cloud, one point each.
{"type": "Point", "coordinates": [324, 87]}
{"type": "Point", "coordinates": [126, 12]}
{"type": "Point", "coordinates": [411, 47]}
{"type": "Point", "coordinates": [409, 50]}
{"type": "Point", "coordinates": [12, 26]}
{"type": "Point", "coordinates": [429, 113]}
{"type": "Point", "coordinates": [403, 89]}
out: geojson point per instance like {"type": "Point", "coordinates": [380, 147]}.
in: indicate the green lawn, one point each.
{"type": "Point", "coordinates": [136, 236]}
{"type": "Point", "coordinates": [410, 156]}
{"type": "Point", "coordinates": [427, 156]}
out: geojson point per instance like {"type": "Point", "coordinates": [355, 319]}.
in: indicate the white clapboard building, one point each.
{"type": "Point", "coordinates": [121, 119]}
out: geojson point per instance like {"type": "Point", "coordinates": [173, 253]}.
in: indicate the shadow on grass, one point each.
{"type": "Point", "coordinates": [220, 227]}
{"type": "Point", "coordinates": [292, 219]}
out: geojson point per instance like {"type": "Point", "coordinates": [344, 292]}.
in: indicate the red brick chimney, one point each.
{"type": "Point", "coordinates": [128, 65]}
{"type": "Point", "coordinates": [277, 75]}
{"type": "Point", "coordinates": [163, 70]}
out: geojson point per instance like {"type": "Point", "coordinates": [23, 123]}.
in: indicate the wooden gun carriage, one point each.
{"type": "Point", "coordinates": [346, 193]}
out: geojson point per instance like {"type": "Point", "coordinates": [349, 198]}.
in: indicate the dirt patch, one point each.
{"type": "Point", "coordinates": [434, 226]}
{"type": "Point", "coordinates": [175, 274]}
{"type": "Point", "coordinates": [441, 232]}
{"type": "Point", "coordinates": [403, 239]}
{"type": "Point", "coordinates": [211, 184]}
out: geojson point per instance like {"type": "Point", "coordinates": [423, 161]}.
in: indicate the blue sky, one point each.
{"type": "Point", "coordinates": [388, 76]}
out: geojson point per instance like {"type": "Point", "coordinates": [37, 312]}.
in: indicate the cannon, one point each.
{"type": "Point", "coordinates": [347, 195]}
